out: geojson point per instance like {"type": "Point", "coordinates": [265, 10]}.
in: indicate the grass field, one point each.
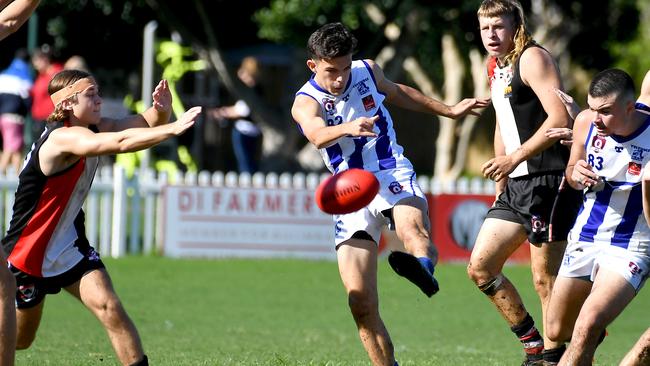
{"type": "Point", "coordinates": [294, 312]}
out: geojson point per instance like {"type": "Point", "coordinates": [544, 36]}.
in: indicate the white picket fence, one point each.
{"type": "Point", "coordinates": [122, 214]}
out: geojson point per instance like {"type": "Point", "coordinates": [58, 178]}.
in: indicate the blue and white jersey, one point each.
{"type": "Point", "coordinates": [361, 98]}
{"type": "Point", "coordinates": [612, 213]}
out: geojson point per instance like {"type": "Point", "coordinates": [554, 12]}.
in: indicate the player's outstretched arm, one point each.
{"type": "Point", "coordinates": [156, 115]}
{"type": "Point", "coordinates": [410, 98]}
{"type": "Point", "coordinates": [14, 14]}
{"type": "Point", "coordinates": [307, 112]}
{"type": "Point", "coordinates": [80, 141]}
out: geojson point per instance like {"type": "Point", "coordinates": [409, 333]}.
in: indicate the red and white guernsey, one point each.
{"type": "Point", "coordinates": [47, 235]}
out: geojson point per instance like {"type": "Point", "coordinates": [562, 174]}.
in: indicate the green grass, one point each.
{"type": "Point", "coordinates": [294, 312]}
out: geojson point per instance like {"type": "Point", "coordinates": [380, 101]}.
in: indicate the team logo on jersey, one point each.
{"type": "Point", "coordinates": [634, 168]}
{"type": "Point", "coordinates": [638, 151]}
{"type": "Point", "coordinates": [361, 86]}
{"type": "Point", "coordinates": [618, 149]}
{"type": "Point", "coordinates": [507, 91]}
{"type": "Point", "coordinates": [27, 292]}
{"type": "Point", "coordinates": [328, 104]}
{"type": "Point", "coordinates": [598, 142]}
{"type": "Point", "coordinates": [368, 102]}
{"type": "Point", "coordinates": [338, 228]}
{"type": "Point", "coordinates": [634, 269]}
{"type": "Point", "coordinates": [537, 224]}
{"type": "Point", "coordinates": [395, 187]}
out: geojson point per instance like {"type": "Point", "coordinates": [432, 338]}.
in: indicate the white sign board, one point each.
{"type": "Point", "coordinates": [245, 222]}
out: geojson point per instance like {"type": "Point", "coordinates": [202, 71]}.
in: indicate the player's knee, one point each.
{"type": "Point", "coordinates": [543, 284]}
{"type": "Point", "coordinates": [556, 332]}
{"type": "Point", "coordinates": [109, 310]}
{"type": "Point", "coordinates": [361, 304]}
{"type": "Point", "coordinates": [589, 327]}
{"type": "Point", "coordinates": [413, 237]}
{"type": "Point", "coordinates": [478, 274]}
{"type": "Point", "coordinates": [490, 286]}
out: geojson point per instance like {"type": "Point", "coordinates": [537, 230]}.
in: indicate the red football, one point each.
{"type": "Point", "coordinates": [346, 192]}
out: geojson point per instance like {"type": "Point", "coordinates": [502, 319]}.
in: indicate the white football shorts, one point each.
{"type": "Point", "coordinates": [585, 259]}
{"type": "Point", "coordinates": [394, 185]}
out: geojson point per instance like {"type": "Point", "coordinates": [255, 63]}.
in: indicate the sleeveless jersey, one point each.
{"type": "Point", "coordinates": [361, 98]}
{"type": "Point", "coordinates": [46, 236]}
{"type": "Point", "coordinates": [520, 114]}
{"type": "Point", "coordinates": [612, 214]}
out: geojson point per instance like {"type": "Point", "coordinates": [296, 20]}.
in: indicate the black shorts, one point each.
{"type": "Point", "coordinates": [31, 290]}
{"type": "Point", "coordinates": [545, 205]}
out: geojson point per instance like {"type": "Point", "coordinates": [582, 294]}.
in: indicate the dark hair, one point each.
{"type": "Point", "coordinates": [330, 41]}
{"type": "Point", "coordinates": [58, 82]}
{"type": "Point", "coordinates": [612, 82]}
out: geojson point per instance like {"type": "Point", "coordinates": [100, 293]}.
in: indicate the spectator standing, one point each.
{"type": "Point", "coordinates": [42, 105]}
{"type": "Point", "coordinates": [15, 84]}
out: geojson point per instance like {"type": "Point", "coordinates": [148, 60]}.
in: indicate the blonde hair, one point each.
{"type": "Point", "coordinates": [58, 82]}
{"type": "Point", "coordinates": [498, 8]}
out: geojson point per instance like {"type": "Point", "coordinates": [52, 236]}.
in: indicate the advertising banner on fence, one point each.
{"type": "Point", "coordinates": [456, 220]}
{"type": "Point", "coordinates": [245, 222]}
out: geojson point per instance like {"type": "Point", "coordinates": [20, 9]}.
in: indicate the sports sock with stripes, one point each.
{"type": "Point", "coordinates": [529, 336]}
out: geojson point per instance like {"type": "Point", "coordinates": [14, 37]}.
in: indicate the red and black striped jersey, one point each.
{"type": "Point", "coordinates": [46, 236]}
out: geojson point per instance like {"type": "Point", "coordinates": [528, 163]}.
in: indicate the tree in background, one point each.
{"type": "Point", "coordinates": [433, 45]}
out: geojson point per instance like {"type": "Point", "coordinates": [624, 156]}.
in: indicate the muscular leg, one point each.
{"type": "Point", "coordinates": [412, 227]}
{"type": "Point", "coordinates": [357, 261]}
{"type": "Point", "coordinates": [611, 293]}
{"type": "Point", "coordinates": [496, 241]}
{"type": "Point", "coordinates": [545, 264]}
{"type": "Point", "coordinates": [96, 292]}
{"type": "Point", "coordinates": [564, 306]}
{"type": "Point", "coordinates": [639, 355]}
{"type": "Point", "coordinates": [28, 321]}
{"type": "Point", "coordinates": [7, 314]}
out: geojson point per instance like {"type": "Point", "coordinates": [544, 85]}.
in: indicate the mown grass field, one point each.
{"type": "Point", "coordinates": [294, 312]}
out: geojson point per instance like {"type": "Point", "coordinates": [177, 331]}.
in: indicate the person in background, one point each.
{"type": "Point", "coordinates": [532, 199]}
{"type": "Point", "coordinates": [246, 135]}
{"type": "Point", "coordinates": [15, 84]}
{"type": "Point", "coordinates": [42, 106]}
{"type": "Point", "coordinates": [13, 14]}
{"type": "Point", "coordinates": [76, 62]}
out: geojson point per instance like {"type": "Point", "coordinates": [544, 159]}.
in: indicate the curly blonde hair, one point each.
{"type": "Point", "coordinates": [58, 82]}
{"type": "Point", "coordinates": [498, 8]}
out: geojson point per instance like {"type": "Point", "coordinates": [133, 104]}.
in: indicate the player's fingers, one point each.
{"type": "Point", "coordinates": [566, 142]}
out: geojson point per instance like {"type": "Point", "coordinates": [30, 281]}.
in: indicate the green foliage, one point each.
{"type": "Point", "coordinates": [294, 312]}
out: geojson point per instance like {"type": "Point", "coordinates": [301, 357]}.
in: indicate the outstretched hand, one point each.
{"type": "Point", "coordinates": [162, 97]}
{"type": "Point", "coordinates": [186, 121]}
{"type": "Point", "coordinates": [467, 106]}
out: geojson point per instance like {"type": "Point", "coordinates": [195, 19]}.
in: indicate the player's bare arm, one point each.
{"type": "Point", "coordinates": [307, 112]}
{"type": "Point", "coordinates": [156, 115]}
{"type": "Point", "coordinates": [65, 145]}
{"type": "Point", "coordinates": [538, 71]}
{"type": "Point", "coordinates": [579, 173]}
{"type": "Point", "coordinates": [410, 98]}
{"type": "Point", "coordinates": [644, 96]}
{"type": "Point", "coordinates": [14, 14]}
{"type": "Point", "coordinates": [645, 189]}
